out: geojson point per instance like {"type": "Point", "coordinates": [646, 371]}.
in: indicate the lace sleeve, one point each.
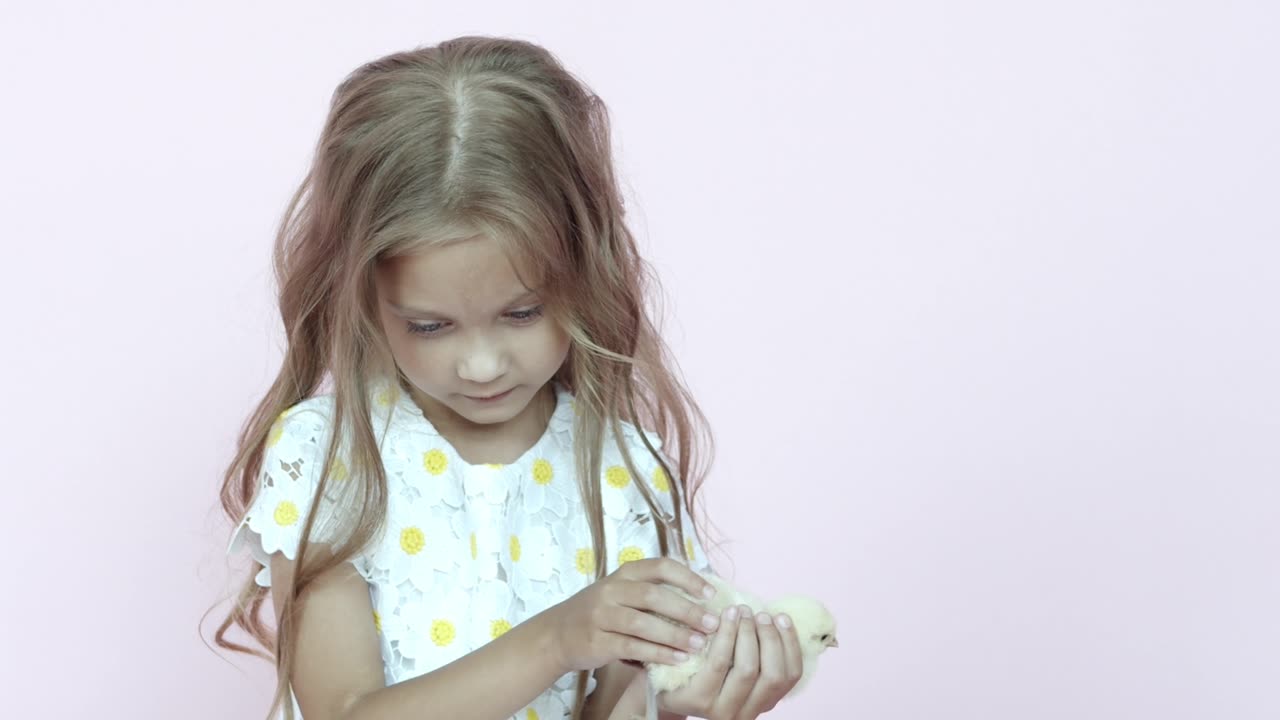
{"type": "Point", "coordinates": [288, 480]}
{"type": "Point", "coordinates": [660, 484]}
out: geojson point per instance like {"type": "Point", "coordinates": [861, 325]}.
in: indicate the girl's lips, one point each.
{"type": "Point", "coordinates": [490, 398]}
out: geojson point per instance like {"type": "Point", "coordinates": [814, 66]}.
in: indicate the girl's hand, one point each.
{"type": "Point", "coordinates": [750, 666]}
{"type": "Point", "coordinates": [614, 618]}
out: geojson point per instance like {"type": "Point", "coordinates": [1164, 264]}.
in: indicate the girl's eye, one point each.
{"type": "Point", "coordinates": [526, 315]}
{"type": "Point", "coordinates": [425, 329]}
{"type": "Point", "coordinates": [521, 317]}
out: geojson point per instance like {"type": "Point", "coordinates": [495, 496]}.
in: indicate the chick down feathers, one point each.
{"type": "Point", "coordinates": [815, 626]}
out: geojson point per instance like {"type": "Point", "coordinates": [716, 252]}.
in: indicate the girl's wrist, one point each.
{"type": "Point", "coordinates": [632, 702]}
{"type": "Point", "coordinates": [546, 637]}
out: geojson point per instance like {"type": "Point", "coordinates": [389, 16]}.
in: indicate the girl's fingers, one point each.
{"type": "Point", "coordinates": [715, 666]}
{"type": "Point", "coordinates": [633, 648]}
{"type": "Point", "coordinates": [773, 668]}
{"type": "Point", "coordinates": [649, 597]}
{"type": "Point", "coordinates": [773, 665]}
{"type": "Point", "coordinates": [790, 647]}
{"type": "Point", "coordinates": [668, 571]}
{"type": "Point", "coordinates": [653, 629]}
{"type": "Point", "coordinates": [746, 668]}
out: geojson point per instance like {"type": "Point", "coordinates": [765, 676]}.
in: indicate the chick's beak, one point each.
{"type": "Point", "coordinates": [833, 643]}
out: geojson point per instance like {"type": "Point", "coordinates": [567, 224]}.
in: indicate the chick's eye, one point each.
{"type": "Point", "coordinates": [825, 637]}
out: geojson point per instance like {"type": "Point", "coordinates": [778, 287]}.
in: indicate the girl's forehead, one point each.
{"type": "Point", "coordinates": [473, 270]}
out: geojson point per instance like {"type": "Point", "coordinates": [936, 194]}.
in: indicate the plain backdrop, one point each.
{"type": "Point", "coordinates": [980, 298]}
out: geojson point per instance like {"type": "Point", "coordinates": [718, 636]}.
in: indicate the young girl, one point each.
{"type": "Point", "coordinates": [471, 521]}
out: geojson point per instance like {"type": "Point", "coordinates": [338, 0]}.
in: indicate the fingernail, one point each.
{"type": "Point", "coordinates": [710, 621]}
{"type": "Point", "coordinates": [746, 615]}
{"type": "Point", "coordinates": [708, 592]}
{"type": "Point", "coordinates": [697, 641]}
{"type": "Point", "coordinates": [784, 622]}
{"type": "Point", "coordinates": [681, 657]}
{"type": "Point", "coordinates": [764, 619]}
{"type": "Point", "coordinates": [731, 613]}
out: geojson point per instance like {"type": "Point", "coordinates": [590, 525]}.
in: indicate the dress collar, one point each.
{"type": "Point", "coordinates": [386, 394]}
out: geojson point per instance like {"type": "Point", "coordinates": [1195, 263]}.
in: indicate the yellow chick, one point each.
{"type": "Point", "coordinates": [815, 626]}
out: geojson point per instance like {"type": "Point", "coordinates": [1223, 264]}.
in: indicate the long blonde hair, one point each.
{"type": "Point", "coordinates": [477, 135]}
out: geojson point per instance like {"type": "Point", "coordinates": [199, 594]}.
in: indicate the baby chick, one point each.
{"type": "Point", "coordinates": [815, 626]}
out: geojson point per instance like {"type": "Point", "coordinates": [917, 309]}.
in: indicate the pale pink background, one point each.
{"type": "Point", "coordinates": [980, 298]}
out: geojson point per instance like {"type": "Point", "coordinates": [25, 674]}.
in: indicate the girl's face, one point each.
{"type": "Point", "coordinates": [464, 330]}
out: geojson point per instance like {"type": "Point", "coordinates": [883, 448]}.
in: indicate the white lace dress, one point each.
{"type": "Point", "coordinates": [469, 550]}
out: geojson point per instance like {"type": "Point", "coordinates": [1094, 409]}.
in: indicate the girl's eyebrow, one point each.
{"type": "Point", "coordinates": [426, 312]}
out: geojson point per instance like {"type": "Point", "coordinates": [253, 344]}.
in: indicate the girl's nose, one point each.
{"type": "Point", "coordinates": [482, 363]}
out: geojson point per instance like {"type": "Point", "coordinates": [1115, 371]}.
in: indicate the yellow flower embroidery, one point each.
{"type": "Point", "coordinates": [435, 462]}
{"type": "Point", "coordinates": [542, 472]}
{"type": "Point", "coordinates": [386, 397]}
{"type": "Point", "coordinates": [339, 471]}
{"type": "Point", "coordinates": [515, 549]}
{"type": "Point", "coordinates": [530, 714]}
{"type": "Point", "coordinates": [377, 621]}
{"type": "Point", "coordinates": [617, 476]}
{"type": "Point", "coordinates": [475, 548]}
{"type": "Point", "coordinates": [412, 540]}
{"type": "Point", "coordinates": [660, 480]}
{"type": "Point", "coordinates": [498, 627]}
{"type": "Point", "coordinates": [442, 632]}
{"type": "Point", "coordinates": [585, 561]}
{"type": "Point", "coordinates": [286, 513]}
{"type": "Point", "coordinates": [277, 430]}
{"type": "Point", "coordinates": [688, 548]}
{"type": "Point", "coordinates": [630, 553]}
{"type": "Point", "coordinates": [494, 466]}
